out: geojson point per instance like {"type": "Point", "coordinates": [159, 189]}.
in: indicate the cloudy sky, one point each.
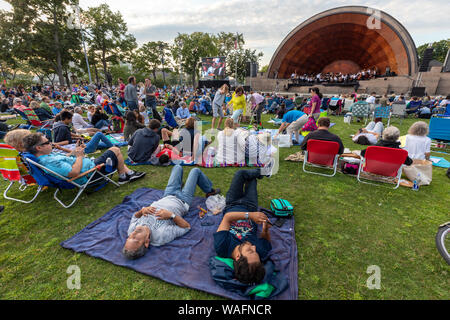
{"type": "Point", "coordinates": [264, 23]}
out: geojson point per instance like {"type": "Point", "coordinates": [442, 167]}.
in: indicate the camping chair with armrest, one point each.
{"type": "Point", "coordinates": [51, 179]}
{"type": "Point", "coordinates": [347, 105]}
{"type": "Point", "coordinates": [13, 170]}
{"type": "Point", "coordinates": [382, 161]}
{"type": "Point", "coordinates": [321, 154]}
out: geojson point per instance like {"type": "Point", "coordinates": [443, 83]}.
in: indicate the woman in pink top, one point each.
{"type": "Point", "coordinates": [315, 103]}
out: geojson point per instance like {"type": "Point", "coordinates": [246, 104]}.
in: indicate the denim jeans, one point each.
{"type": "Point", "coordinates": [2, 134]}
{"type": "Point", "coordinates": [132, 105]}
{"type": "Point", "coordinates": [151, 103]}
{"type": "Point", "coordinates": [243, 190]}
{"type": "Point", "coordinates": [196, 177]}
{"type": "Point", "coordinates": [375, 127]}
{"type": "Point", "coordinates": [102, 123]}
{"type": "Point", "coordinates": [98, 141]}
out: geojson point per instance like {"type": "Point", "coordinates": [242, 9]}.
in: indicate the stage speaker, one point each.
{"type": "Point", "coordinates": [251, 69]}
{"type": "Point", "coordinates": [418, 92]}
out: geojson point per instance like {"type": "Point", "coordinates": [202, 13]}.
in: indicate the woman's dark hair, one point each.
{"type": "Point", "coordinates": [130, 117]}
{"type": "Point", "coordinates": [97, 109]}
{"type": "Point", "coordinates": [316, 91]}
{"type": "Point", "coordinates": [363, 140]}
{"type": "Point", "coordinates": [239, 89]}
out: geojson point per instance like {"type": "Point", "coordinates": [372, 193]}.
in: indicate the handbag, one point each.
{"type": "Point", "coordinates": [422, 167]}
{"type": "Point", "coordinates": [310, 125]}
{"type": "Point", "coordinates": [284, 141]}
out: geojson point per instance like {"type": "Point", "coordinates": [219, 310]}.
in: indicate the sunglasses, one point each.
{"type": "Point", "coordinates": [44, 143]}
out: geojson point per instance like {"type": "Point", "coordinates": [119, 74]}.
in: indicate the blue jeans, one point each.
{"type": "Point", "coordinates": [151, 104]}
{"type": "Point", "coordinates": [243, 190]}
{"type": "Point", "coordinates": [102, 123]}
{"type": "Point", "coordinates": [2, 134]}
{"type": "Point", "coordinates": [132, 105]}
{"type": "Point", "coordinates": [98, 141]}
{"type": "Point", "coordinates": [196, 177]}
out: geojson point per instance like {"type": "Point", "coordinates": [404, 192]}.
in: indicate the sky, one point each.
{"type": "Point", "coordinates": [264, 23]}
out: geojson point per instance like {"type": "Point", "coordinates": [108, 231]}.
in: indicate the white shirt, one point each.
{"type": "Point", "coordinates": [444, 102]}
{"type": "Point", "coordinates": [370, 99]}
{"type": "Point", "coordinates": [417, 146]}
{"type": "Point", "coordinates": [228, 149]}
{"type": "Point", "coordinates": [79, 123]}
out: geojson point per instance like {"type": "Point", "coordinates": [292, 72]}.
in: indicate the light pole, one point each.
{"type": "Point", "coordinates": [84, 46]}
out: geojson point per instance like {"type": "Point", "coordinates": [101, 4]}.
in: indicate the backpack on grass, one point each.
{"type": "Point", "coordinates": [282, 208]}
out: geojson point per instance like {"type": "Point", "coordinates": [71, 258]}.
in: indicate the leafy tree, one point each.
{"type": "Point", "coordinates": [440, 50]}
{"type": "Point", "coordinates": [264, 68]}
{"type": "Point", "coordinates": [242, 56]}
{"type": "Point", "coordinates": [149, 57]}
{"type": "Point", "coordinates": [108, 37]}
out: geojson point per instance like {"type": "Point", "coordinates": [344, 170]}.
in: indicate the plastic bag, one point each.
{"type": "Point", "coordinates": [284, 141]}
{"type": "Point", "coordinates": [215, 204]}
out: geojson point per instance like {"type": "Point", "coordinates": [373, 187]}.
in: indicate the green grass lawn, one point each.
{"type": "Point", "coordinates": [341, 228]}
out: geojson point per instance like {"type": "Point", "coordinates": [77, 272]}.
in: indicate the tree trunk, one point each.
{"type": "Point", "coordinates": [66, 75]}
{"type": "Point", "coordinates": [105, 71]}
{"type": "Point", "coordinates": [96, 74]}
{"type": "Point", "coordinates": [154, 74]}
{"type": "Point", "coordinates": [59, 70]}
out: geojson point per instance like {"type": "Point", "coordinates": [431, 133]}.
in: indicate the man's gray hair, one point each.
{"type": "Point", "coordinates": [419, 128]}
{"type": "Point", "coordinates": [391, 134]}
{"type": "Point", "coordinates": [78, 110]}
{"type": "Point", "coordinates": [182, 104]}
{"type": "Point", "coordinates": [134, 254]}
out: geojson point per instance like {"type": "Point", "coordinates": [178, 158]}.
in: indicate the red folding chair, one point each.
{"type": "Point", "coordinates": [321, 154]}
{"type": "Point", "coordinates": [382, 161]}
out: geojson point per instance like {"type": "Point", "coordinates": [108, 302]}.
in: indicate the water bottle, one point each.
{"type": "Point", "coordinates": [416, 183]}
{"type": "Point", "coordinates": [109, 165]}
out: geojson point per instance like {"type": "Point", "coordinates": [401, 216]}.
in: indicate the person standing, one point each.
{"type": "Point", "coordinates": [150, 98]}
{"type": "Point", "coordinates": [130, 94]}
{"type": "Point", "coordinates": [218, 104]}
{"type": "Point", "coordinates": [121, 91]}
{"type": "Point", "coordinates": [238, 101]}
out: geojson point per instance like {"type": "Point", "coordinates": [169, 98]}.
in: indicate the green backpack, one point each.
{"type": "Point", "coordinates": [282, 208]}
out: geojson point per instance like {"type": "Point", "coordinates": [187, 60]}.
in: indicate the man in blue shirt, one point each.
{"type": "Point", "coordinates": [183, 111]}
{"type": "Point", "coordinates": [288, 119]}
{"type": "Point", "coordinates": [76, 163]}
{"type": "Point", "coordinates": [236, 237]}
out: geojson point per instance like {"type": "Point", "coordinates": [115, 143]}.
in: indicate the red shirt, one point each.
{"type": "Point", "coordinates": [122, 90]}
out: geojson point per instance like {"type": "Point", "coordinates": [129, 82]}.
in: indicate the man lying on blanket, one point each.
{"type": "Point", "coordinates": [162, 221]}
{"type": "Point", "coordinates": [76, 162]}
{"type": "Point", "coordinates": [236, 236]}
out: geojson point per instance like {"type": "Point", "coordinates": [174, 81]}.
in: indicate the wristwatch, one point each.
{"type": "Point", "coordinates": [246, 215]}
{"type": "Point", "coordinates": [172, 216]}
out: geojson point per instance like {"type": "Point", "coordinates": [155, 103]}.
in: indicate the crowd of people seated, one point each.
{"type": "Point", "coordinates": [162, 221]}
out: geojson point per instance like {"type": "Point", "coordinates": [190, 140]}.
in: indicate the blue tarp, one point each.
{"type": "Point", "coordinates": [184, 261]}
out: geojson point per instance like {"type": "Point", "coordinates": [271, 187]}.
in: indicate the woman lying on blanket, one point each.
{"type": "Point", "coordinates": [162, 221]}
{"type": "Point", "coordinates": [236, 237]}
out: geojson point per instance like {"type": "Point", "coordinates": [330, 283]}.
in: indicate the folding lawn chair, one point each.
{"type": "Point", "coordinates": [399, 110]}
{"type": "Point", "coordinates": [382, 161]}
{"type": "Point", "coordinates": [13, 170]}
{"type": "Point", "coordinates": [439, 128]}
{"type": "Point", "coordinates": [48, 178]}
{"type": "Point", "coordinates": [321, 154]}
{"type": "Point", "coordinates": [347, 105]}
{"type": "Point", "coordinates": [360, 110]}
{"type": "Point", "coordinates": [383, 113]}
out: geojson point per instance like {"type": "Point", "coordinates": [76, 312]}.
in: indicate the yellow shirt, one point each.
{"type": "Point", "coordinates": [238, 102]}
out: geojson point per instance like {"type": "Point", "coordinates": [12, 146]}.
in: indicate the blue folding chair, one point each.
{"type": "Point", "coordinates": [383, 113]}
{"type": "Point", "coordinates": [47, 178]}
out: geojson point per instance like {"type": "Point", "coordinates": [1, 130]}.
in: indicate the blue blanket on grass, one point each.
{"type": "Point", "coordinates": [185, 261]}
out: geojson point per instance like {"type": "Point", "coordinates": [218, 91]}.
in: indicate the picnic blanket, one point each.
{"type": "Point", "coordinates": [185, 261]}
{"type": "Point", "coordinates": [440, 162]}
